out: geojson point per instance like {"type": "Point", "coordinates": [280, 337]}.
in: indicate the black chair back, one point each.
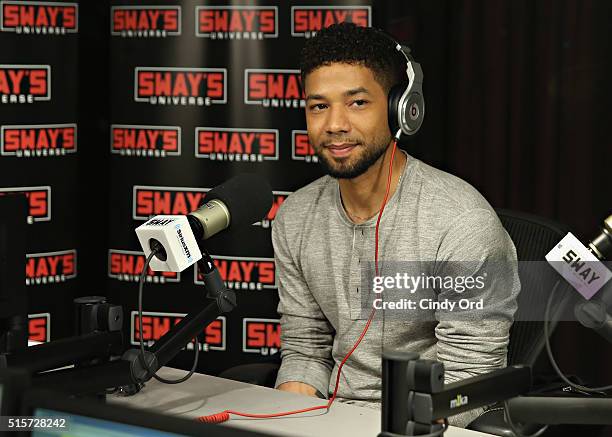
{"type": "Point", "coordinates": [533, 238]}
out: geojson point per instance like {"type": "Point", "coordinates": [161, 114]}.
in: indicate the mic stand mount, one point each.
{"type": "Point", "coordinates": [415, 398]}
{"type": "Point", "coordinates": [130, 369]}
{"type": "Point", "coordinates": [99, 327]}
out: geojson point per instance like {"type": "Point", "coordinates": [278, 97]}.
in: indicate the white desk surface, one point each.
{"type": "Point", "coordinates": [204, 394]}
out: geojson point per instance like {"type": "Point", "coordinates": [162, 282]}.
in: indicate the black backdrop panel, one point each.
{"type": "Point", "coordinates": [200, 93]}
{"type": "Point", "coordinates": [39, 138]}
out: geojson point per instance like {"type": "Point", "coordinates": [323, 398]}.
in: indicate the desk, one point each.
{"type": "Point", "coordinates": [204, 394]}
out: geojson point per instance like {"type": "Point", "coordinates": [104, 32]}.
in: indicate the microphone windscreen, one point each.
{"type": "Point", "coordinates": [248, 197]}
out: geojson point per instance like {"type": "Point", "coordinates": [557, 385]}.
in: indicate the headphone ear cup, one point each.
{"type": "Point", "coordinates": [395, 94]}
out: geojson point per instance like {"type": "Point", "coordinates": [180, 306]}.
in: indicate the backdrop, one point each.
{"type": "Point", "coordinates": [113, 111]}
{"type": "Point", "coordinates": [39, 143]}
{"type": "Point", "coordinates": [199, 93]}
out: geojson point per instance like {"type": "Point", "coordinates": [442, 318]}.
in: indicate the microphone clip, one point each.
{"type": "Point", "coordinates": [213, 284]}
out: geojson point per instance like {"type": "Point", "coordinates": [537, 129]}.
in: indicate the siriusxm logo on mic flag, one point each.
{"type": "Point", "coordinates": [578, 266]}
{"type": "Point", "coordinates": [174, 233]}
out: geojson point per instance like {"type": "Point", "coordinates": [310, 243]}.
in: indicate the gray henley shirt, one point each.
{"type": "Point", "coordinates": [432, 216]}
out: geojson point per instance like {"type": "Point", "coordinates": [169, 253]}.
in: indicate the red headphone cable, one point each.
{"type": "Point", "coordinates": [225, 415]}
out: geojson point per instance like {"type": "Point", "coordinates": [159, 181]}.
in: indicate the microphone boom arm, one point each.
{"type": "Point", "coordinates": [130, 369]}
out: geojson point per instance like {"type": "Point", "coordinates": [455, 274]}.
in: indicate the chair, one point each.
{"type": "Point", "coordinates": [533, 238]}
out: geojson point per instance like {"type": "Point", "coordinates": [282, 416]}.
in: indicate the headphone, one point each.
{"type": "Point", "coordinates": [406, 103]}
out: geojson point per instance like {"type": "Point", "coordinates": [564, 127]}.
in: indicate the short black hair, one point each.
{"type": "Point", "coordinates": [351, 44]}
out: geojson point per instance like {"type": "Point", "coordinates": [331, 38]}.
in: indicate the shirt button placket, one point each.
{"type": "Point", "coordinates": [354, 297]}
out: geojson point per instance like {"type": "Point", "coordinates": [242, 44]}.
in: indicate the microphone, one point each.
{"type": "Point", "coordinates": [582, 266]}
{"type": "Point", "coordinates": [586, 264]}
{"type": "Point", "coordinates": [240, 201]}
{"type": "Point", "coordinates": [601, 245]}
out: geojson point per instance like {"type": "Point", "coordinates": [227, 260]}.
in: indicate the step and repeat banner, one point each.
{"type": "Point", "coordinates": [200, 92]}
{"type": "Point", "coordinates": [38, 150]}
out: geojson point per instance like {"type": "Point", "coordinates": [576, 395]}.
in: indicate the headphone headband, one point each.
{"type": "Point", "coordinates": [404, 50]}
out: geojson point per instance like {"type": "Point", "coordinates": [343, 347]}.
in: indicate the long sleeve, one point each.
{"type": "Point", "coordinates": [476, 341]}
{"type": "Point", "coordinates": [306, 334]}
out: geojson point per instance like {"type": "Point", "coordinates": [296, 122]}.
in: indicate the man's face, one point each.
{"type": "Point", "coordinates": [346, 116]}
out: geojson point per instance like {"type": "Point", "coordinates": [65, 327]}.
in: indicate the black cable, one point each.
{"type": "Point", "coordinates": [553, 362]}
{"type": "Point", "coordinates": [513, 427]}
{"type": "Point", "coordinates": [142, 349]}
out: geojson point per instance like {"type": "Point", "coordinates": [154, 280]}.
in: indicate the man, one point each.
{"type": "Point", "coordinates": [324, 233]}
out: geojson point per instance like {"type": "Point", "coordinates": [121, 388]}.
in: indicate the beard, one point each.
{"type": "Point", "coordinates": [345, 169]}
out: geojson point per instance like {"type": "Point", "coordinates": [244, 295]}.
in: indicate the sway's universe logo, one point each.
{"type": "Point", "coordinates": [145, 141]}
{"type": "Point", "coordinates": [273, 88]}
{"type": "Point", "coordinates": [237, 22]}
{"type": "Point", "coordinates": [180, 86]}
{"type": "Point", "coordinates": [39, 327]}
{"type": "Point", "coordinates": [301, 150]}
{"type": "Point", "coordinates": [243, 273]}
{"type": "Point", "coordinates": [306, 21]}
{"type": "Point", "coordinates": [39, 201]}
{"type": "Point", "coordinates": [155, 325]}
{"type": "Point", "coordinates": [145, 21]}
{"type": "Point", "coordinates": [236, 144]}
{"type": "Point", "coordinates": [38, 18]}
{"type": "Point", "coordinates": [261, 336]}
{"type": "Point", "coordinates": [25, 83]}
{"type": "Point", "coordinates": [149, 200]}
{"type": "Point", "coordinates": [127, 265]}
{"type": "Point", "coordinates": [38, 140]}
{"type": "Point", "coordinates": [51, 267]}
